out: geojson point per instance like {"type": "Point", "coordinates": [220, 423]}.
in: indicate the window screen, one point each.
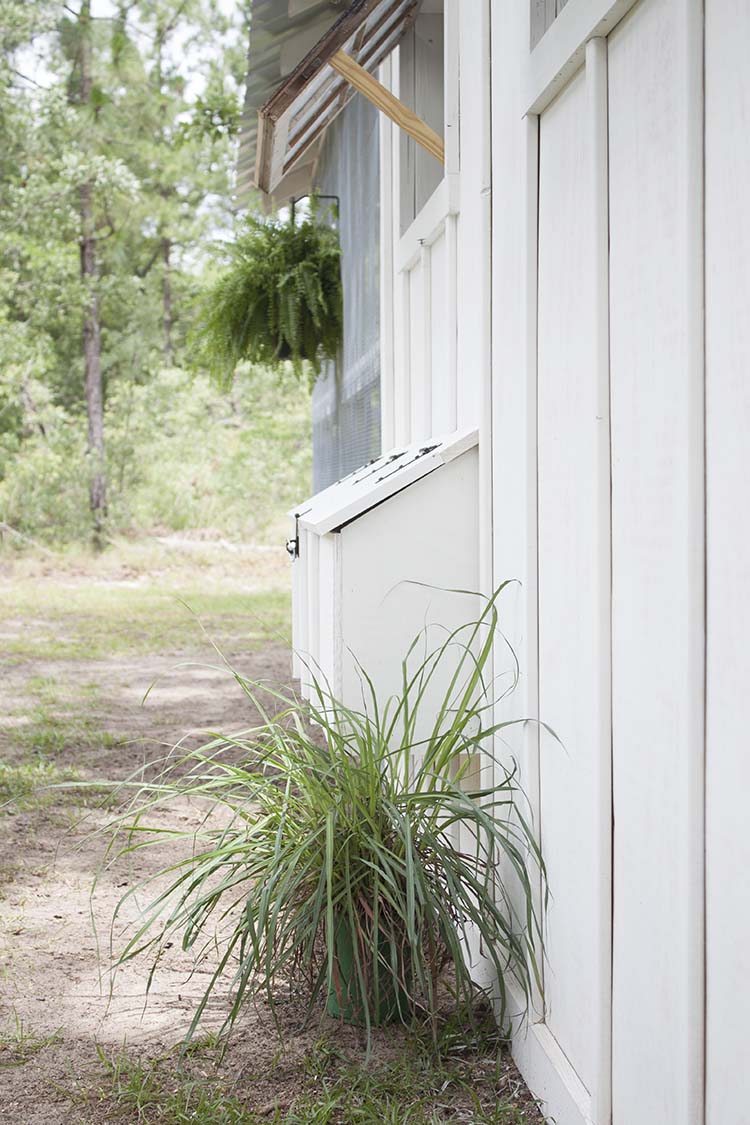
{"type": "Point", "coordinates": [346, 399]}
{"type": "Point", "coordinates": [421, 88]}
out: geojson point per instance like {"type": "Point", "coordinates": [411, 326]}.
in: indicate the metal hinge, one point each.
{"type": "Point", "coordinates": [292, 545]}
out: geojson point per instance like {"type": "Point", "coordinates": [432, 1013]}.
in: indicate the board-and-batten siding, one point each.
{"type": "Point", "coordinates": [668, 515]}
{"type": "Point", "coordinates": [728, 559]}
{"type": "Point", "coordinates": [655, 145]}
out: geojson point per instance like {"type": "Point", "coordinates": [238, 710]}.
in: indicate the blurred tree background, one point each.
{"type": "Point", "coordinates": [118, 134]}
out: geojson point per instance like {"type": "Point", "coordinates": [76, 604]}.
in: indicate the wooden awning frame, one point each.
{"type": "Point", "coordinates": [317, 90]}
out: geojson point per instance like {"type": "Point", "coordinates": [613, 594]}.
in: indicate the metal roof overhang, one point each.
{"type": "Point", "coordinates": [293, 119]}
{"type": "Point", "coordinates": [281, 33]}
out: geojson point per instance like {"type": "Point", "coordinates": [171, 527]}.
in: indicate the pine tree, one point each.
{"type": "Point", "coordinates": [115, 171]}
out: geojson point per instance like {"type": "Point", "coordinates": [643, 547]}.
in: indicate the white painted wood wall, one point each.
{"type": "Point", "coordinates": [634, 620]}
{"type": "Point", "coordinates": [578, 286]}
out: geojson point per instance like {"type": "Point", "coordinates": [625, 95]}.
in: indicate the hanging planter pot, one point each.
{"type": "Point", "coordinates": [279, 299]}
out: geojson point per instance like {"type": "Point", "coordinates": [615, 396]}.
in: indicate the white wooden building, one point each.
{"type": "Point", "coordinates": [572, 287]}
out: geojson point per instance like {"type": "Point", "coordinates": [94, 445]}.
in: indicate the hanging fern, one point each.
{"type": "Point", "coordinates": [278, 300]}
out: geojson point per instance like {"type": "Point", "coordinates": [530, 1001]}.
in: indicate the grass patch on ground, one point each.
{"type": "Point", "coordinates": [42, 732]}
{"type": "Point", "coordinates": [86, 622]}
{"type": "Point", "coordinates": [138, 598]}
{"type": "Point", "coordinates": [459, 1083]}
{"type": "Point", "coordinates": [18, 1043]}
{"type": "Point", "coordinates": [29, 779]}
{"type": "Point", "coordinates": [29, 784]}
{"type": "Point", "coordinates": [48, 733]}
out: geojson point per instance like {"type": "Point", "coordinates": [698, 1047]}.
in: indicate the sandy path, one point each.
{"type": "Point", "coordinates": [53, 966]}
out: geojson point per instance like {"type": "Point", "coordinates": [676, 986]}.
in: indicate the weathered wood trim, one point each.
{"type": "Point", "coordinates": [389, 104]}
{"type": "Point", "coordinates": [276, 117]}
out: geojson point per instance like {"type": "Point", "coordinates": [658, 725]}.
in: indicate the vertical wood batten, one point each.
{"type": "Point", "coordinates": [693, 12]}
{"type": "Point", "coordinates": [598, 170]}
{"type": "Point", "coordinates": [452, 17]}
{"type": "Point", "coordinates": [313, 609]}
{"type": "Point", "coordinates": [452, 20]}
{"type": "Point", "coordinates": [485, 385]}
{"type": "Point", "coordinates": [405, 381]}
{"type": "Point", "coordinates": [727, 267]}
{"type": "Point", "coordinates": [451, 281]}
{"type": "Point", "coordinates": [425, 258]}
{"type": "Point", "coordinates": [530, 290]}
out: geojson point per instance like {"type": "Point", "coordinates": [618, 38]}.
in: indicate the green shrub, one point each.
{"type": "Point", "coordinates": [44, 491]}
{"type": "Point", "coordinates": [351, 833]}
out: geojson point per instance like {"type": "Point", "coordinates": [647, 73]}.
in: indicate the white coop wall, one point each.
{"type": "Point", "coordinates": [575, 288]}
{"type": "Point", "coordinates": [620, 411]}
{"type": "Point", "coordinates": [573, 544]}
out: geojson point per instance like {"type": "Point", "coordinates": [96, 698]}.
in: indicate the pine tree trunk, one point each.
{"type": "Point", "coordinates": [92, 365]}
{"type": "Point", "coordinates": [166, 291]}
{"type": "Point", "coordinates": [92, 349]}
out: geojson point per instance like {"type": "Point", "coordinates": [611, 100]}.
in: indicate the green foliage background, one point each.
{"type": "Point", "coordinates": [157, 140]}
{"type": "Point", "coordinates": [182, 454]}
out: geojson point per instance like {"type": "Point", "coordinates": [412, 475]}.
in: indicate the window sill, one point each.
{"type": "Point", "coordinates": [428, 225]}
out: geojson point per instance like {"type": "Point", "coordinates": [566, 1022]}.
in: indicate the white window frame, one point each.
{"type": "Point", "coordinates": [429, 222]}
{"type": "Point", "coordinates": [400, 253]}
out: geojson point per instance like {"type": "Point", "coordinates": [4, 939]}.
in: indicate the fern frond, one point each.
{"type": "Point", "coordinates": [279, 299]}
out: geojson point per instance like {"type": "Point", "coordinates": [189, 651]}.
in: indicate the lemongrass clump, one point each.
{"type": "Point", "coordinates": [334, 850]}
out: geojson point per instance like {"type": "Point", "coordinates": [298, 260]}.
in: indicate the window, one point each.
{"type": "Point", "coordinates": [422, 88]}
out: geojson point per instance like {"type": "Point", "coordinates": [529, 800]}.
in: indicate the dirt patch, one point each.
{"type": "Point", "coordinates": [54, 937]}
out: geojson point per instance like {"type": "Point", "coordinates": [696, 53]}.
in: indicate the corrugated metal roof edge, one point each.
{"type": "Point", "coordinates": [272, 30]}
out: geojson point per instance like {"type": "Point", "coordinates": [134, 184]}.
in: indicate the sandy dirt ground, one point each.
{"type": "Point", "coordinates": [54, 933]}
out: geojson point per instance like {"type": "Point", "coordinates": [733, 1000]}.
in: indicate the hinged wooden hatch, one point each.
{"type": "Point", "coordinates": [340, 63]}
{"type": "Point", "coordinates": [369, 486]}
